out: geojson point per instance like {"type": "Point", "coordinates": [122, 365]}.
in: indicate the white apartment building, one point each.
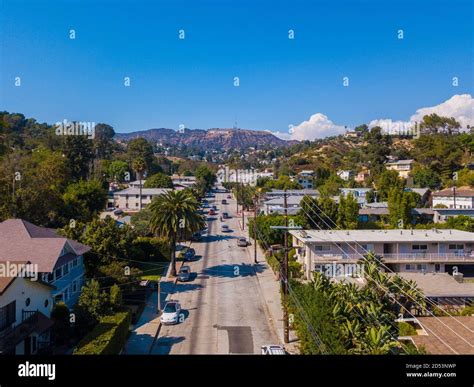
{"type": "Point", "coordinates": [129, 199]}
{"type": "Point", "coordinates": [403, 167]}
{"type": "Point", "coordinates": [455, 198]}
{"type": "Point", "coordinates": [401, 250]}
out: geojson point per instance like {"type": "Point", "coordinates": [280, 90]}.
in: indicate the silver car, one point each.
{"type": "Point", "coordinates": [184, 274]}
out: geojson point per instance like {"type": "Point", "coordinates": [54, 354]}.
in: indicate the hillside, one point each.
{"type": "Point", "coordinates": [211, 139]}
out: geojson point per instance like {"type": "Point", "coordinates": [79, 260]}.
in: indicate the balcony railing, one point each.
{"type": "Point", "coordinates": [402, 257]}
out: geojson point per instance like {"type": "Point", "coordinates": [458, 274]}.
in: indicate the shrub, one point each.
{"type": "Point", "coordinates": [60, 316]}
{"type": "Point", "coordinates": [405, 329]}
{"type": "Point", "coordinates": [108, 337]}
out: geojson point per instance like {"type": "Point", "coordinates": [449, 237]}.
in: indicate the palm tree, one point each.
{"type": "Point", "coordinates": [174, 214]}
{"type": "Point", "coordinates": [139, 166]}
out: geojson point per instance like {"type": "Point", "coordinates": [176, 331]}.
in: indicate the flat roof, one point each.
{"type": "Point", "coordinates": [145, 191]}
{"type": "Point", "coordinates": [383, 236]}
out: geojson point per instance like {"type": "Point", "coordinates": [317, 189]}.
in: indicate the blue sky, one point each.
{"type": "Point", "coordinates": [190, 81]}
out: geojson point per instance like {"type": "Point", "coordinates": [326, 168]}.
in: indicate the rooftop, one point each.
{"type": "Point", "coordinates": [21, 241]}
{"type": "Point", "coordinates": [398, 162]}
{"type": "Point", "coordinates": [383, 236]}
{"type": "Point", "coordinates": [145, 191]}
{"type": "Point", "coordinates": [461, 191]}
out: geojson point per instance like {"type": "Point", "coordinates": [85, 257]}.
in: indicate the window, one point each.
{"type": "Point", "coordinates": [28, 301]}
{"type": "Point", "coordinates": [74, 286]}
{"type": "Point", "coordinates": [420, 247]}
{"type": "Point", "coordinates": [368, 247]}
{"type": "Point", "coordinates": [66, 294]}
{"type": "Point", "coordinates": [46, 303]}
{"type": "Point", "coordinates": [7, 315]}
{"type": "Point", "coordinates": [58, 273]}
{"type": "Point", "coordinates": [322, 248]}
{"type": "Point", "coordinates": [421, 267]}
{"type": "Point", "coordinates": [34, 344]}
{"type": "Point", "coordinates": [456, 247]}
{"type": "Point", "coordinates": [66, 269]}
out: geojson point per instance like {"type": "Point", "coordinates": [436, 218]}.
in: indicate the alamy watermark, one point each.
{"type": "Point", "coordinates": [75, 128]}
{"type": "Point", "coordinates": [16, 269]}
{"type": "Point", "coordinates": [333, 270]}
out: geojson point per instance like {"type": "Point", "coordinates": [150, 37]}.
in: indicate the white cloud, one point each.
{"type": "Point", "coordinates": [318, 126]}
{"type": "Point", "coordinates": [459, 106]}
{"type": "Point", "coordinates": [282, 135]}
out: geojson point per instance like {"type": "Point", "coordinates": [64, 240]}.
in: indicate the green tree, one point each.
{"type": "Point", "coordinates": [84, 199]}
{"type": "Point", "coordinates": [117, 170]}
{"type": "Point", "coordinates": [61, 327]}
{"type": "Point", "coordinates": [93, 302]}
{"type": "Point", "coordinates": [175, 216]}
{"type": "Point", "coordinates": [103, 143]}
{"type": "Point", "coordinates": [139, 148]}
{"type": "Point", "coordinates": [78, 154]}
{"type": "Point", "coordinates": [386, 181]}
{"type": "Point", "coordinates": [158, 180]}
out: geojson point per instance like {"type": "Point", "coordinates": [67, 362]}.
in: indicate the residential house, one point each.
{"type": "Point", "coordinates": [305, 179]}
{"type": "Point", "coordinates": [401, 250]}
{"type": "Point", "coordinates": [59, 260]}
{"type": "Point", "coordinates": [443, 214]}
{"type": "Point", "coordinates": [457, 198]}
{"type": "Point", "coordinates": [25, 311]}
{"type": "Point", "coordinates": [275, 193]}
{"type": "Point", "coordinates": [277, 205]}
{"type": "Point", "coordinates": [403, 167]}
{"type": "Point", "coordinates": [345, 174]}
{"type": "Point", "coordinates": [362, 176]}
{"type": "Point", "coordinates": [129, 198]}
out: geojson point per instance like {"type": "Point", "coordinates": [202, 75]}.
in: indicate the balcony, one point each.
{"type": "Point", "coordinates": [458, 257]}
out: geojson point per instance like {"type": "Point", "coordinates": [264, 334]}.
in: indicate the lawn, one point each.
{"type": "Point", "coordinates": [152, 271]}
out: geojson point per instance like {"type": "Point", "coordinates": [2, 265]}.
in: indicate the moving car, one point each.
{"type": "Point", "coordinates": [184, 274]}
{"type": "Point", "coordinates": [171, 312]}
{"type": "Point", "coordinates": [273, 349]}
{"type": "Point", "coordinates": [242, 242]}
{"type": "Point", "coordinates": [189, 254]}
{"type": "Point", "coordinates": [225, 228]}
{"type": "Point", "coordinates": [225, 215]}
{"type": "Point", "coordinates": [224, 201]}
{"type": "Point", "coordinates": [212, 211]}
{"type": "Point", "coordinates": [229, 196]}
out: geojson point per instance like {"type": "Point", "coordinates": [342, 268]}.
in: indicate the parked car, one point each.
{"type": "Point", "coordinates": [273, 349]}
{"type": "Point", "coordinates": [184, 274]}
{"type": "Point", "coordinates": [118, 212]}
{"type": "Point", "coordinates": [242, 242]}
{"type": "Point", "coordinates": [189, 254]}
{"type": "Point", "coordinates": [212, 212]}
{"type": "Point", "coordinates": [223, 201]}
{"type": "Point", "coordinates": [229, 196]}
{"type": "Point", "coordinates": [225, 215]}
{"type": "Point", "coordinates": [225, 228]}
{"type": "Point", "coordinates": [171, 312]}
{"type": "Point", "coordinates": [196, 237]}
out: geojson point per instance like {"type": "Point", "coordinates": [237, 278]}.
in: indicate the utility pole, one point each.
{"type": "Point", "coordinates": [286, 329]}
{"type": "Point", "coordinates": [237, 189]}
{"type": "Point", "coordinates": [242, 196]}
{"type": "Point", "coordinates": [454, 196]}
{"type": "Point", "coordinates": [284, 280]}
{"type": "Point", "coordinates": [255, 201]}
{"type": "Point", "coordinates": [158, 290]}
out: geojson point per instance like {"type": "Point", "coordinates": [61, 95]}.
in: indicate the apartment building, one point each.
{"type": "Point", "coordinates": [305, 179]}
{"type": "Point", "coordinates": [400, 250]}
{"type": "Point", "coordinates": [129, 199]}
{"type": "Point", "coordinates": [403, 167]}
{"type": "Point", "coordinates": [455, 198]}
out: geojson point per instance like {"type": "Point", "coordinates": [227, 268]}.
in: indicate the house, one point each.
{"type": "Point", "coordinates": [457, 198]}
{"type": "Point", "coordinates": [362, 176]}
{"type": "Point", "coordinates": [356, 192]}
{"type": "Point", "coordinates": [345, 174]}
{"type": "Point", "coordinates": [59, 260]}
{"type": "Point", "coordinates": [305, 179]}
{"type": "Point", "coordinates": [352, 134]}
{"type": "Point", "coordinates": [277, 205]}
{"type": "Point", "coordinates": [275, 193]}
{"type": "Point", "coordinates": [129, 198]}
{"type": "Point", "coordinates": [137, 184]}
{"type": "Point", "coordinates": [401, 250]}
{"type": "Point", "coordinates": [25, 311]}
{"type": "Point", "coordinates": [375, 214]}
{"type": "Point", "coordinates": [403, 167]}
{"type": "Point", "coordinates": [361, 201]}
{"type": "Point", "coordinates": [182, 182]}
{"type": "Point", "coordinates": [443, 214]}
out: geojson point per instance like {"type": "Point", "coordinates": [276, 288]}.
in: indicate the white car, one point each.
{"type": "Point", "coordinates": [171, 313]}
{"type": "Point", "coordinates": [273, 349]}
{"type": "Point", "coordinates": [225, 228]}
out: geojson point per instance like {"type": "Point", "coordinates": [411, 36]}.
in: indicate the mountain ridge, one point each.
{"type": "Point", "coordinates": [207, 139]}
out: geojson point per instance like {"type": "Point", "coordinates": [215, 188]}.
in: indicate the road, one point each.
{"type": "Point", "coordinates": [223, 306]}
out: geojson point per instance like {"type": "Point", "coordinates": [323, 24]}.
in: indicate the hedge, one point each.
{"type": "Point", "coordinates": [108, 337]}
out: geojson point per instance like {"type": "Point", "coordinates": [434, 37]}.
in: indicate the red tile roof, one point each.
{"type": "Point", "coordinates": [22, 241]}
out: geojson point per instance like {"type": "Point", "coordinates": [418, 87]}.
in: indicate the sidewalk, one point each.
{"type": "Point", "coordinates": [270, 289]}
{"type": "Point", "coordinates": [145, 331]}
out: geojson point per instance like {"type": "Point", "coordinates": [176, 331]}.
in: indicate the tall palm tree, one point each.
{"type": "Point", "coordinates": [139, 166]}
{"type": "Point", "coordinates": [174, 214]}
